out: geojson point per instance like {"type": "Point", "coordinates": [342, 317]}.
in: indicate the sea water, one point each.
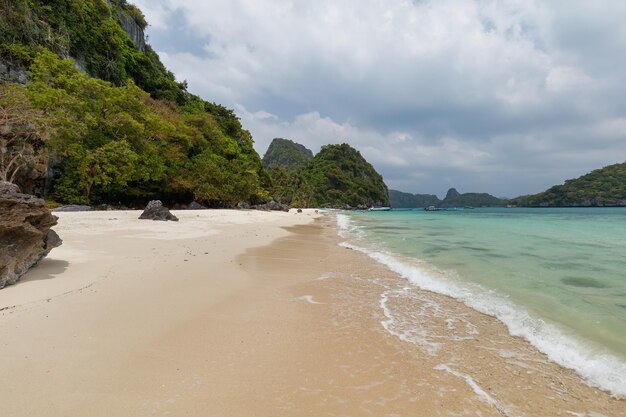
{"type": "Point", "coordinates": [556, 277]}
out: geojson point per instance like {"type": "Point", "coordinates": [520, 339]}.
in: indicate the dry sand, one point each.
{"type": "Point", "coordinates": [240, 313]}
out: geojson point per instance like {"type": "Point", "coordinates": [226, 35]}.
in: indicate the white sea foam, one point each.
{"type": "Point", "coordinates": [599, 368]}
{"type": "Point", "coordinates": [343, 222]}
{"type": "Point", "coordinates": [482, 394]}
{"type": "Point", "coordinates": [324, 276]}
{"type": "Point", "coordinates": [415, 335]}
{"type": "Point", "coordinates": [309, 299]}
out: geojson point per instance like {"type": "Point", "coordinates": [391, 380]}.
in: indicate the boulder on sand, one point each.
{"type": "Point", "coordinates": [25, 234]}
{"type": "Point", "coordinates": [155, 210]}
{"type": "Point", "coordinates": [272, 206]}
{"type": "Point", "coordinates": [195, 206]}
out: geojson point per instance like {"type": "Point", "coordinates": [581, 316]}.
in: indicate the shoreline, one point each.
{"type": "Point", "coordinates": [595, 363]}
{"type": "Point", "coordinates": [279, 320]}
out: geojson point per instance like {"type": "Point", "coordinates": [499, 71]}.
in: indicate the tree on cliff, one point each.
{"type": "Point", "coordinates": [23, 133]}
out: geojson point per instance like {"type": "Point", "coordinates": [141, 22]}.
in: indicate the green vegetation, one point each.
{"type": "Point", "coordinates": [117, 144]}
{"type": "Point", "coordinates": [287, 154]}
{"type": "Point", "coordinates": [601, 187]}
{"type": "Point", "coordinates": [90, 32]}
{"type": "Point", "coordinates": [340, 176]}
{"type": "Point", "coordinates": [406, 200]}
{"type": "Point", "coordinates": [290, 187]}
{"type": "Point", "coordinates": [23, 134]}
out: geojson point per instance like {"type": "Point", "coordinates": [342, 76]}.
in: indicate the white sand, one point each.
{"type": "Point", "coordinates": [245, 313]}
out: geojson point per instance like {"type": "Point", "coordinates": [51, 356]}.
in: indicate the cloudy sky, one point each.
{"type": "Point", "coordinates": [507, 97]}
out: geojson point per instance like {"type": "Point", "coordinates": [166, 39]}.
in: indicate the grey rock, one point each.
{"type": "Point", "coordinates": [8, 188]}
{"type": "Point", "coordinates": [133, 30]}
{"type": "Point", "coordinates": [25, 233]}
{"type": "Point", "coordinates": [452, 193]}
{"type": "Point", "coordinates": [243, 205]}
{"type": "Point", "coordinates": [195, 206]}
{"type": "Point", "coordinates": [272, 206]}
{"type": "Point", "coordinates": [155, 210]}
{"type": "Point", "coordinates": [12, 73]}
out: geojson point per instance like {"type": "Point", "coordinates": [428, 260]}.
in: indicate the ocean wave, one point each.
{"type": "Point", "coordinates": [600, 369]}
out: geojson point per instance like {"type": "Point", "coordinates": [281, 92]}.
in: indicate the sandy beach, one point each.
{"type": "Point", "coordinates": [245, 313]}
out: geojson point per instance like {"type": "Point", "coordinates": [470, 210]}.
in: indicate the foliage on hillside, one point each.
{"type": "Point", "coordinates": [601, 187]}
{"type": "Point", "coordinates": [127, 131]}
{"type": "Point", "coordinates": [90, 32]}
{"type": "Point", "coordinates": [119, 144]}
{"type": "Point", "coordinates": [23, 133]}
{"type": "Point", "coordinates": [340, 176]}
{"type": "Point", "coordinates": [286, 153]}
{"type": "Point", "coordinates": [290, 187]}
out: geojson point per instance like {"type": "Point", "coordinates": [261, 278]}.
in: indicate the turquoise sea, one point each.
{"type": "Point", "coordinates": [556, 277]}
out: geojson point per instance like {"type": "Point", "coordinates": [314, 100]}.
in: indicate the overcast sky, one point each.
{"type": "Point", "coordinates": [505, 97]}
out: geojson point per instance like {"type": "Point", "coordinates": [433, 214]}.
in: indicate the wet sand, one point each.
{"type": "Point", "coordinates": [255, 314]}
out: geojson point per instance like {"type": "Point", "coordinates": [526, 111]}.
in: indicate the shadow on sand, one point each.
{"type": "Point", "coordinates": [45, 269]}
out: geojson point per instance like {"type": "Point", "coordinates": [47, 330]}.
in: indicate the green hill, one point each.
{"type": "Point", "coordinates": [455, 199]}
{"type": "Point", "coordinates": [599, 188]}
{"type": "Point", "coordinates": [340, 176]}
{"type": "Point", "coordinates": [398, 199]}
{"type": "Point", "coordinates": [108, 119]}
{"type": "Point", "coordinates": [287, 154]}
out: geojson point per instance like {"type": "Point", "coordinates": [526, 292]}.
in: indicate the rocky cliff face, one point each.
{"type": "Point", "coordinates": [25, 234]}
{"type": "Point", "coordinates": [286, 153]}
{"type": "Point", "coordinates": [133, 30]}
{"type": "Point", "coordinates": [12, 73]}
{"type": "Point", "coordinates": [452, 193]}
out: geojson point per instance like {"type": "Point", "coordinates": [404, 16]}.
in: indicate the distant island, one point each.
{"type": "Point", "coordinates": [604, 187]}
{"type": "Point", "coordinates": [453, 198]}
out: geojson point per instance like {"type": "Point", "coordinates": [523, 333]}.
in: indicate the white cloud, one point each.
{"type": "Point", "coordinates": [566, 78]}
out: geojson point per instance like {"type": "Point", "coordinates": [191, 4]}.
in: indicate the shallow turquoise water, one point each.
{"type": "Point", "coordinates": [565, 266]}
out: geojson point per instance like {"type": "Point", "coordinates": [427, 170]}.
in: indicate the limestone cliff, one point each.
{"type": "Point", "coordinates": [133, 30]}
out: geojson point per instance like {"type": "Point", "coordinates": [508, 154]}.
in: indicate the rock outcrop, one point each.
{"type": "Point", "coordinates": [195, 206]}
{"type": "Point", "coordinates": [272, 206]}
{"type": "Point", "coordinates": [133, 30]}
{"type": "Point", "coordinates": [452, 193]}
{"type": "Point", "coordinates": [12, 73]}
{"type": "Point", "coordinates": [155, 210]}
{"type": "Point", "coordinates": [25, 232]}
